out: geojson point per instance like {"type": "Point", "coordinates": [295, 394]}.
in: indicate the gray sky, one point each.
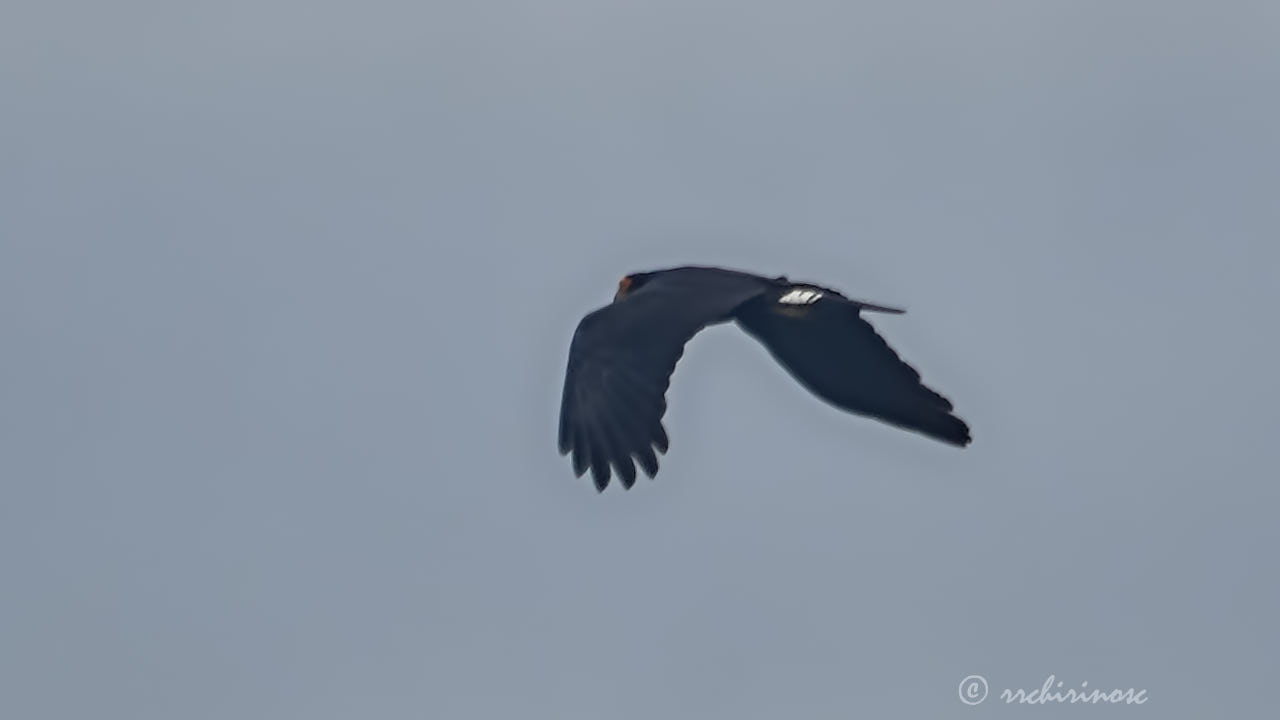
{"type": "Point", "coordinates": [286, 291]}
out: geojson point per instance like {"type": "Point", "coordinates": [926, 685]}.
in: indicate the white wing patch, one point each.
{"type": "Point", "coordinates": [800, 296]}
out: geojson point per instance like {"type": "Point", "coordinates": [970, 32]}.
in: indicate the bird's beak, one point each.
{"type": "Point", "coordinates": [624, 286]}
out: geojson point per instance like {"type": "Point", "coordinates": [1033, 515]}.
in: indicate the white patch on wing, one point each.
{"type": "Point", "coordinates": [800, 296]}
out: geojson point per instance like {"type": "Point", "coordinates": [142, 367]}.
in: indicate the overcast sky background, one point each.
{"type": "Point", "coordinates": [286, 292]}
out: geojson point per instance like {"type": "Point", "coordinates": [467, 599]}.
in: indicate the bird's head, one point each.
{"type": "Point", "coordinates": [629, 284]}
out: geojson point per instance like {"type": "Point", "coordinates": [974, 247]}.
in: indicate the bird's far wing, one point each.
{"type": "Point", "coordinates": [831, 350]}
{"type": "Point", "coordinates": [620, 365]}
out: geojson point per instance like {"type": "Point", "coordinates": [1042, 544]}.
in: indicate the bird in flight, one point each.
{"type": "Point", "coordinates": [622, 356]}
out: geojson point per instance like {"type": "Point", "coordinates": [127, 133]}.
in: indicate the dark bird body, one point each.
{"type": "Point", "coordinates": [622, 357]}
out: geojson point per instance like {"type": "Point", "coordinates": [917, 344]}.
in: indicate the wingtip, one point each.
{"type": "Point", "coordinates": [955, 433]}
{"type": "Point", "coordinates": [941, 426]}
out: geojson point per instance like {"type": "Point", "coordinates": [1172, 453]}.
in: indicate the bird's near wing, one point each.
{"type": "Point", "coordinates": [837, 355]}
{"type": "Point", "coordinates": [620, 365]}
